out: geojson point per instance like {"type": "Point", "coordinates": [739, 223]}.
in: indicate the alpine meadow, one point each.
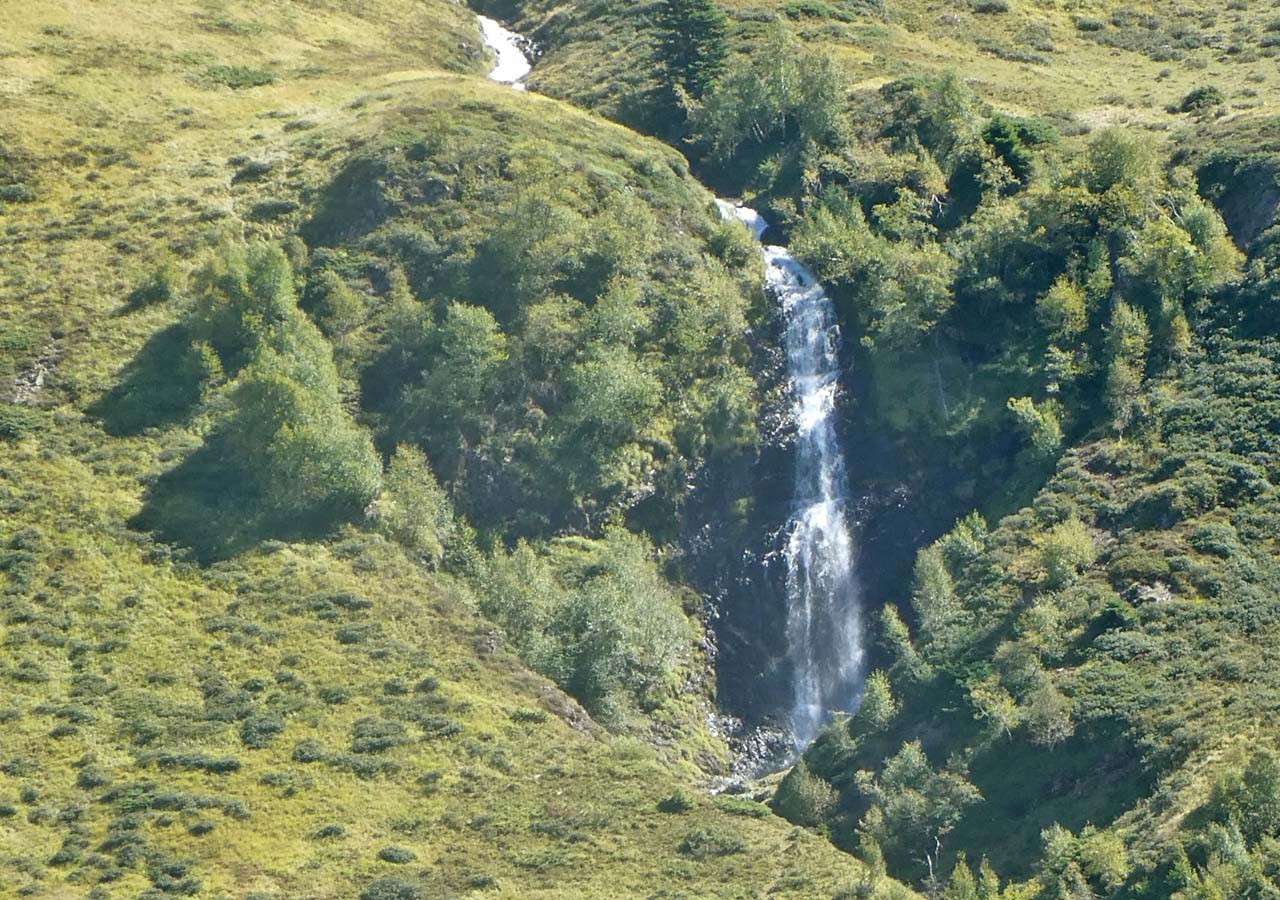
{"type": "Point", "coordinates": [813, 449]}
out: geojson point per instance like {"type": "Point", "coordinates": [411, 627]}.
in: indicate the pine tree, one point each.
{"type": "Point", "coordinates": [691, 43]}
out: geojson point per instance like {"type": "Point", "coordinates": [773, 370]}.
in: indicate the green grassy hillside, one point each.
{"type": "Point", "coordinates": [223, 676]}
{"type": "Point", "coordinates": [357, 418]}
{"type": "Point", "coordinates": [1095, 63]}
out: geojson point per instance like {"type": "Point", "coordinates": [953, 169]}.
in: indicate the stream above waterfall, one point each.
{"type": "Point", "coordinates": [513, 64]}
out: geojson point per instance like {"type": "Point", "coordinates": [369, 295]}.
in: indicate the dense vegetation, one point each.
{"type": "Point", "coordinates": [361, 420]}
{"type": "Point", "coordinates": [1055, 328]}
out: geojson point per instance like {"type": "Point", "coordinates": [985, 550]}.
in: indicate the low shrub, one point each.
{"type": "Point", "coordinates": [679, 802]}
{"type": "Point", "coordinates": [373, 735]}
{"type": "Point", "coordinates": [397, 855]}
{"type": "Point", "coordinates": [217, 765]}
{"type": "Point", "coordinates": [260, 730]}
{"type": "Point", "coordinates": [1202, 98]}
{"type": "Point", "coordinates": [391, 889]}
{"type": "Point", "coordinates": [702, 843]}
{"type": "Point", "coordinates": [238, 77]}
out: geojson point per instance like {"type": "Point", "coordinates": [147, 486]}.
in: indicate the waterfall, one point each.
{"type": "Point", "coordinates": [512, 65]}
{"type": "Point", "coordinates": [824, 625]}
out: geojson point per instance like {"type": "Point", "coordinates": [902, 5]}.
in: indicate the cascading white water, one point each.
{"type": "Point", "coordinates": [512, 65]}
{"type": "Point", "coordinates": [824, 625]}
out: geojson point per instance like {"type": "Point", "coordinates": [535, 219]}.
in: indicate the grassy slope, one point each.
{"type": "Point", "coordinates": [114, 655]}
{"type": "Point", "coordinates": [1032, 59]}
{"type": "Point", "coordinates": [131, 650]}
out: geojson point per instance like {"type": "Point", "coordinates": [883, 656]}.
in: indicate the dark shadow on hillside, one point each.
{"type": "Point", "coordinates": [160, 386]}
{"type": "Point", "coordinates": [206, 503]}
{"type": "Point", "coordinates": [213, 503]}
{"type": "Point", "coordinates": [1091, 778]}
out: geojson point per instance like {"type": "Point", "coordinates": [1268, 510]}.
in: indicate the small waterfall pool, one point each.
{"type": "Point", "coordinates": [824, 616]}
{"type": "Point", "coordinates": [512, 65]}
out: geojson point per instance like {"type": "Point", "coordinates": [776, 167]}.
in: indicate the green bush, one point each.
{"type": "Point", "coordinates": [391, 889]}
{"type": "Point", "coordinates": [878, 706]}
{"type": "Point", "coordinates": [412, 508]}
{"type": "Point", "coordinates": [164, 282]}
{"type": "Point", "coordinates": [260, 730]}
{"type": "Point", "coordinates": [238, 77]}
{"type": "Point", "coordinates": [374, 735]}
{"type": "Point", "coordinates": [214, 764]}
{"type": "Point", "coordinates": [804, 798]}
{"type": "Point", "coordinates": [679, 802]}
{"type": "Point", "coordinates": [702, 843]}
{"type": "Point", "coordinates": [596, 616]}
{"type": "Point", "coordinates": [1249, 798]}
{"type": "Point", "coordinates": [1067, 549]}
{"type": "Point", "coordinates": [1202, 98]}
{"type": "Point", "coordinates": [16, 422]}
{"type": "Point", "coordinates": [287, 455]}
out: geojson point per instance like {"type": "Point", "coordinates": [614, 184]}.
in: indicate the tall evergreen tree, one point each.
{"type": "Point", "coordinates": [691, 43]}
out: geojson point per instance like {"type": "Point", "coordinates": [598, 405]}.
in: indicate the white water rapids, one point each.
{"type": "Point", "coordinates": [512, 65]}
{"type": "Point", "coordinates": [824, 623]}
{"type": "Point", "coordinates": [824, 626]}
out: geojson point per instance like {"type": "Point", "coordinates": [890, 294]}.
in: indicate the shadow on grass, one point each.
{"type": "Point", "coordinates": [1091, 778]}
{"type": "Point", "coordinates": [160, 386]}
{"type": "Point", "coordinates": [207, 503]}
{"type": "Point", "coordinates": [215, 504]}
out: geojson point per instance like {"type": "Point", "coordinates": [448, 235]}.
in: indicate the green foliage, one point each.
{"type": "Point", "coordinates": [391, 889]}
{"type": "Point", "coordinates": [1117, 159]}
{"type": "Point", "coordinates": [1064, 310]}
{"type": "Point", "coordinates": [337, 307]}
{"type": "Point", "coordinates": [242, 299]}
{"type": "Point", "coordinates": [1041, 423]}
{"type": "Point", "coordinates": [237, 77]}
{"type": "Point", "coordinates": [1202, 98]}
{"type": "Point", "coordinates": [286, 455]}
{"type": "Point", "coordinates": [933, 596]}
{"type": "Point", "coordinates": [704, 843]}
{"type": "Point", "coordinates": [907, 662]}
{"type": "Point", "coordinates": [780, 95]}
{"type": "Point", "coordinates": [412, 507]}
{"type": "Point", "coordinates": [538, 348]}
{"type": "Point", "coordinates": [691, 43]}
{"type": "Point", "coordinates": [165, 281]}
{"type": "Point", "coordinates": [913, 806]}
{"type": "Point", "coordinates": [878, 706]}
{"type": "Point", "coordinates": [679, 802]}
{"type": "Point", "coordinates": [595, 616]}
{"type": "Point", "coordinates": [1013, 141]}
{"type": "Point", "coordinates": [1126, 351]}
{"type": "Point", "coordinates": [803, 797]}
{"type": "Point", "coordinates": [16, 422]}
{"type": "Point", "coordinates": [1067, 549]}
{"type": "Point", "coordinates": [1249, 799]}
{"type": "Point", "coordinates": [898, 291]}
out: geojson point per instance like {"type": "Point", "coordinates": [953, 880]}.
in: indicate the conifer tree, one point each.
{"type": "Point", "coordinates": [691, 43]}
